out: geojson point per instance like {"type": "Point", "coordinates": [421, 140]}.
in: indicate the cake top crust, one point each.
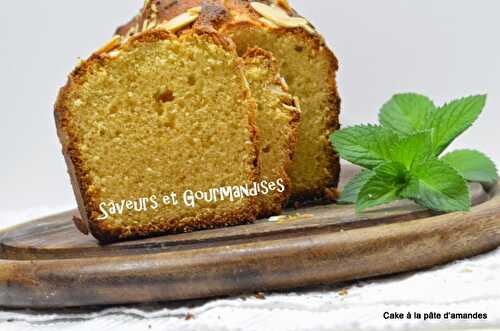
{"type": "Point", "coordinates": [212, 15]}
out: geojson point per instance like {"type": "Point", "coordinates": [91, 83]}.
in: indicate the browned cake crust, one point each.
{"type": "Point", "coordinates": [229, 15]}
{"type": "Point", "coordinates": [88, 199]}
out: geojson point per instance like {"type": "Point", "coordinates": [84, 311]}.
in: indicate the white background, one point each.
{"type": "Point", "coordinates": [443, 48]}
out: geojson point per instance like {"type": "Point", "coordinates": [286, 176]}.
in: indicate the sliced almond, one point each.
{"type": "Point", "coordinates": [194, 10]}
{"type": "Point", "coordinates": [179, 22]}
{"type": "Point", "coordinates": [280, 9]}
{"type": "Point", "coordinates": [278, 90]}
{"type": "Point", "coordinates": [151, 25]}
{"type": "Point", "coordinates": [110, 45]}
{"type": "Point", "coordinates": [246, 83]}
{"type": "Point", "coordinates": [269, 12]}
{"type": "Point", "coordinates": [278, 16]}
{"type": "Point", "coordinates": [294, 22]}
{"type": "Point", "coordinates": [145, 24]}
{"type": "Point", "coordinates": [114, 54]}
{"type": "Point", "coordinates": [291, 22]}
{"type": "Point", "coordinates": [289, 108]}
{"type": "Point", "coordinates": [284, 84]}
{"type": "Point", "coordinates": [268, 22]}
{"type": "Point", "coordinates": [134, 30]}
{"type": "Point", "coordinates": [309, 28]}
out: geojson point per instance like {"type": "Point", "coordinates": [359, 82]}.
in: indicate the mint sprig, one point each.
{"type": "Point", "coordinates": [401, 156]}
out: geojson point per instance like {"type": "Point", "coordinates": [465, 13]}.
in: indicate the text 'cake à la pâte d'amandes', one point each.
{"type": "Point", "coordinates": [305, 61]}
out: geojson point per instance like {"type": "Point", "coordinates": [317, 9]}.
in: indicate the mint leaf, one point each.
{"type": "Point", "coordinates": [453, 119]}
{"type": "Point", "coordinates": [351, 190]}
{"type": "Point", "coordinates": [474, 166]}
{"type": "Point", "coordinates": [383, 187]}
{"type": "Point", "coordinates": [413, 149]}
{"type": "Point", "coordinates": [365, 145]}
{"type": "Point", "coordinates": [406, 113]}
{"type": "Point", "coordinates": [436, 185]}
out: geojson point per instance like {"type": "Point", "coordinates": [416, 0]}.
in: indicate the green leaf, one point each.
{"type": "Point", "coordinates": [438, 186]}
{"type": "Point", "coordinates": [453, 119]}
{"type": "Point", "coordinates": [474, 166]}
{"type": "Point", "coordinates": [351, 190]}
{"type": "Point", "coordinates": [383, 187]}
{"type": "Point", "coordinates": [406, 113]}
{"type": "Point", "coordinates": [413, 149]}
{"type": "Point", "coordinates": [365, 145]}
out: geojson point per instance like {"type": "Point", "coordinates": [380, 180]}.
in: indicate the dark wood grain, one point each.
{"type": "Point", "coordinates": [47, 263]}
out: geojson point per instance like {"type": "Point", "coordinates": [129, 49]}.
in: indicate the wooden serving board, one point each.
{"type": "Point", "coordinates": [47, 263]}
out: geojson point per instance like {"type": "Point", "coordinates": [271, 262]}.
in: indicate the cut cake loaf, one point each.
{"type": "Point", "coordinates": [278, 117]}
{"type": "Point", "coordinates": [304, 59]}
{"type": "Point", "coordinates": [139, 122]}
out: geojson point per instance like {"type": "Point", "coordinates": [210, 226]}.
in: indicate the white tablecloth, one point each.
{"type": "Point", "coordinates": [467, 286]}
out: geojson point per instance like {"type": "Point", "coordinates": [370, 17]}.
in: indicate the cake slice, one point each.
{"type": "Point", "coordinates": [305, 61]}
{"type": "Point", "coordinates": [309, 69]}
{"type": "Point", "coordinates": [153, 128]}
{"type": "Point", "coordinates": [277, 120]}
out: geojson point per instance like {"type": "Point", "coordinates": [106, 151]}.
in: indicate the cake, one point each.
{"type": "Point", "coordinates": [189, 119]}
{"type": "Point", "coordinates": [150, 145]}
{"type": "Point", "coordinates": [304, 59]}
{"type": "Point", "coordinates": [277, 120]}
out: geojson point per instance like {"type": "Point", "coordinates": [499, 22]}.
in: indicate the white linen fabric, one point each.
{"type": "Point", "coordinates": [467, 286]}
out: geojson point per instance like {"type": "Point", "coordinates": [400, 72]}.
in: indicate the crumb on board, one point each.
{"type": "Point", "coordinates": [343, 292]}
{"type": "Point", "coordinates": [189, 317]}
{"type": "Point", "coordinates": [290, 218]}
{"type": "Point", "coordinates": [260, 296]}
{"type": "Point", "coordinates": [276, 218]}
